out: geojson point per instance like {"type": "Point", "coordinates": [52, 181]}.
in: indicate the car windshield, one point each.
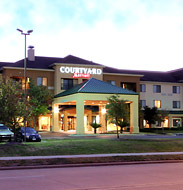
{"type": "Point", "coordinates": [29, 130]}
{"type": "Point", "coordinates": [4, 128]}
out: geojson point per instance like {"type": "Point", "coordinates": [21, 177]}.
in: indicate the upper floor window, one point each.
{"type": "Point", "coordinates": [113, 82]}
{"type": "Point", "coordinates": [157, 88]}
{"type": "Point", "coordinates": [143, 103]}
{"type": "Point", "coordinates": [142, 88]}
{"type": "Point", "coordinates": [129, 86]}
{"type": "Point", "coordinates": [68, 83]}
{"type": "Point", "coordinates": [42, 81]}
{"type": "Point", "coordinates": [157, 103]}
{"type": "Point", "coordinates": [176, 104]}
{"type": "Point", "coordinates": [176, 89]}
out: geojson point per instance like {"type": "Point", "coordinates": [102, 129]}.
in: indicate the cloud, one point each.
{"type": "Point", "coordinates": [124, 34]}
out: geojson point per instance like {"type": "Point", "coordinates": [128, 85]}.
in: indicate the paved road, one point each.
{"type": "Point", "coordinates": [128, 177]}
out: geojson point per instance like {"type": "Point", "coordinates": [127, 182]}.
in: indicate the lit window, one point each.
{"type": "Point", "coordinates": [176, 122]}
{"type": "Point", "coordinates": [27, 83]}
{"type": "Point", "coordinates": [143, 103]}
{"type": "Point", "coordinates": [157, 103]}
{"type": "Point", "coordinates": [42, 81]}
{"type": "Point", "coordinates": [157, 88]}
{"type": "Point", "coordinates": [176, 104]}
{"type": "Point", "coordinates": [176, 89]}
{"type": "Point", "coordinates": [142, 88]}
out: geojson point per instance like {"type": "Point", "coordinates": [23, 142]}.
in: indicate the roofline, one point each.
{"type": "Point", "coordinates": [136, 94]}
{"type": "Point", "coordinates": [74, 64]}
{"type": "Point", "coordinates": [22, 68]}
{"type": "Point", "coordinates": [122, 74]}
{"type": "Point", "coordinates": [148, 81]}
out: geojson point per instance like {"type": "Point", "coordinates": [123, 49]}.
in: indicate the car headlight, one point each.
{"type": "Point", "coordinates": [27, 136]}
{"type": "Point", "coordinates": [12, 135]}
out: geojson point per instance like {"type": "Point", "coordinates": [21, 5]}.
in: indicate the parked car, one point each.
{"type": "Point", "coordinates": [31, 134]}
{"type": "Point", "coordinates": [5, 133]}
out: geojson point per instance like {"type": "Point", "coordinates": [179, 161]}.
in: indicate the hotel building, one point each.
{"type": "Point", "coordinates": [81, 88]}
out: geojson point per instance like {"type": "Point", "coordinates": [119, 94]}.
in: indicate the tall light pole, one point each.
{"type": "Point", "coordinates": [25, 75]}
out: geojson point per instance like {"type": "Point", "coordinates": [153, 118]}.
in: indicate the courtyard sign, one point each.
{"type": "Point", "coordinates": [81, 70]}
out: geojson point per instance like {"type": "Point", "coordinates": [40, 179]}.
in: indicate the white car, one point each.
{"type": "Point", "coordinates": [5, 133]}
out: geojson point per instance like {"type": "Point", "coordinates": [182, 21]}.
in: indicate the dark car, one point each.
{"type": "Point", "coordinates": [5, 133]}
{"type": "Point", "coordinates": [31, 134]}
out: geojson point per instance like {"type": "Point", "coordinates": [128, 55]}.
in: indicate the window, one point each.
{"type": "Point", "coordinates": [176, 89]}
{"type": "Point", "coordinates": [68, 83]}
{"type": "Point", "coordinates": [142, 88]}
{"type": "Point", "coordinates": [113, 82]}
{"type": "Point", "coordinates": [42, 81]}
{"type": "Point", "coordinates": [129, 86]}
{"type": "Point", "coordinates": [157, 88]}
{"type": "Point", "coordinates": [143, 103]}
{"type": "Point", "coordinates": [176, 122]}
{"type": "Point", "coordinates": [157, 103]}
{"type": "Point", "coordinates": [176, 104]}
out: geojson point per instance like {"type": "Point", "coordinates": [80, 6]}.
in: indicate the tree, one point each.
{"type": "Point", "coordinates": [95, 126]}
{"type": "Point", "coordinates": [12, 107]}
{"type": "Point", "coordinates": [40, 99]}
{"type": "Point", "coordinates": [151, 115]}
{"type": "Point", "coordinates": [117, 111]}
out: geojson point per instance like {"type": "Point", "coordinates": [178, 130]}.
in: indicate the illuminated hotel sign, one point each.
{"type": "Point", "coordinates": [80, 75]}
{"type": "Point", "coordinates": [81, 72]}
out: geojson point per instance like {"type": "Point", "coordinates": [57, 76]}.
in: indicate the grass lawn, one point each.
{"type": "Point", "coordinates": [89, 146]}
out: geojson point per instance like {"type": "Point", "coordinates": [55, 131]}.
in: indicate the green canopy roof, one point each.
{"type": "Point", "coordinates": [96, 86]}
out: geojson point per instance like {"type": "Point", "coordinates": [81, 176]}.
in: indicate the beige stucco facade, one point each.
{"type": "Point", "coordinates": [166, 96]}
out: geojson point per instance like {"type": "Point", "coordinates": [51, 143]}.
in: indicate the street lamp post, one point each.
{"type": "Point", "coordinates": [25, 75]}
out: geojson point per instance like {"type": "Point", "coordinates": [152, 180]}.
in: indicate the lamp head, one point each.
{"type": "Point", "coordinates": [20, 30]}
{"type": "Point", "coordinates": [29, 31]}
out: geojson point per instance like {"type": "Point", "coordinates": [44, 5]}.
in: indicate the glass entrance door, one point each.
{"type": "Point", "coordinates": [71, 123]}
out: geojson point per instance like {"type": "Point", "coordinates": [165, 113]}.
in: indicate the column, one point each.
{"type": "Point", "coordinates": [134, 117]}
{"type": "Point", "coordinates": [170, 122]}
{"type": "Point", "coordinates": [80, 116]}
{"type": "Point", "coordinates": [65, 121]}
{"type": "Point", "coordinates": [102, 119]}
{"type": "Point", "coordinates": [89, 120]}
{"type": "Point", "coordinates": [55, 118]}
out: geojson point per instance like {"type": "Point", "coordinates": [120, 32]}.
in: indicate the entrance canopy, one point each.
{"type": "Point", "coordinates": [94, 92]}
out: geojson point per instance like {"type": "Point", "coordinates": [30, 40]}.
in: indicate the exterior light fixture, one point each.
{"type": "Point", "coordinates": [25, 74]}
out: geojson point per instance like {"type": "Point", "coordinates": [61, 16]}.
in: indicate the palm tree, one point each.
{"type": "Point", "coordinates": [95, 126]}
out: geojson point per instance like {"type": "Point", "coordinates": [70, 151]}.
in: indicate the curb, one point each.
{"type": "Point", "coordinates": [89, 164]}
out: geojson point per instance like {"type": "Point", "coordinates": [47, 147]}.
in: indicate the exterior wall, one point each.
{"type": "Point", "coordinates": [31, 73]}
{"type": "Point", "coordinates": [123, 78]}
{"type": "Point", "coordinates": [166, 96]}
{"type": "Point", "coordinates": [58, 75]}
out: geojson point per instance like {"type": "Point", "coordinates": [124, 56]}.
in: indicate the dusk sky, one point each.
{"type": "Point", "coordinates": [125, 34]}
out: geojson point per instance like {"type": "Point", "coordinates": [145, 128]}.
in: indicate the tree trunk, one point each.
{"type": "Point", "coordinates": [34, 122]}
{"type": "Point", "coordinates": [121, 130]}
{"type": "Point", "coordinates": [117, 127]}
{"type": "Point", "coordinates": [95, 130]}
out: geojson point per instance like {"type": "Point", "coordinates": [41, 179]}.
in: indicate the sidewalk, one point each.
{"type": "Point", "coordinates": [90, 155]}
